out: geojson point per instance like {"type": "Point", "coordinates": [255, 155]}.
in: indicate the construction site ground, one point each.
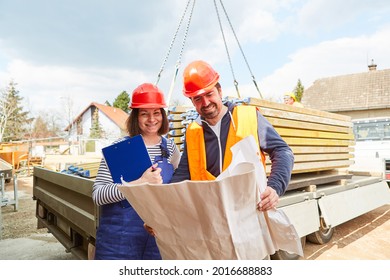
{"type": "Point", "coordinates": [366, 237]}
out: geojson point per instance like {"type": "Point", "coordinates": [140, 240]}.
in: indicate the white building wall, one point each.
{"type": "Point", "coordinates": [112, 132]}
{"type": "Point", "coordinates": [110, 128]}
{"type": "Point", "coordinates": [86, 122]}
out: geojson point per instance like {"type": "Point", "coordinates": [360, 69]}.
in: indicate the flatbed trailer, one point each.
{"type": "Point", "coordinates": [322, 193]}
{"type": "Point", "coordinates": [64, 206]}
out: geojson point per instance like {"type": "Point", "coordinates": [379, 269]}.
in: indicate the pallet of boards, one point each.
{"type": "Point", "coordinates": [178, 124]}
{"type": "Point", "coordinates": [321, 141]}
{"type": "Point", "coordinates": [87, 170]}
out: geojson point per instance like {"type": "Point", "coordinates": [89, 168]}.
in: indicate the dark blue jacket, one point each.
{"type": "Point", "coordinates": [271, 143]}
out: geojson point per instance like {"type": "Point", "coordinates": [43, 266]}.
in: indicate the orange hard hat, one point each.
{"type": "Point", "coordinates": [147, 96]}
{"type": "Point", "coordinates": [199, 77]}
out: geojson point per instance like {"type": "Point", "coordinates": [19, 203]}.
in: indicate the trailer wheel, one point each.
{"type": "Point", "coordinates": [322, 236]}
{"type": "Point", "coordinates": [284, 255]}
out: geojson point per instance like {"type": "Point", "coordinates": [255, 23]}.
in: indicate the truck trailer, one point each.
{"type": "Point", "coordinates": [322, 193]}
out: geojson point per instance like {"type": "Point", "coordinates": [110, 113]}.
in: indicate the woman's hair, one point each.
{"type": "Point", "coordinates": [133, 128]}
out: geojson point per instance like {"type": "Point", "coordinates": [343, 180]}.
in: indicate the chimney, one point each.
{"type": "Point", "coordinates": [372, 66]}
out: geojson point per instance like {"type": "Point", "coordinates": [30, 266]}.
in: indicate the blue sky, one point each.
{"type": "Point", "coordinates": [90, 51]}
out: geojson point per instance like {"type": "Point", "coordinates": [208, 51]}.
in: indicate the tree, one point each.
{"type": "Point", "coordinates": [68, 111]}
{"type": "Point", "coordinates": [6, 109]}
{"type": "Point", "coordinates": [96, 130]}
{"type": "Point", "coordinates": [298, 91]}
{"type": "Point", "coordinates": [40, 129]}
{"type": "Point", "coordinates": [122, 101]}
{"type": "Point", "coordinates": [46, 125]}
{"type": "Point", "coordinates": [14, 120]}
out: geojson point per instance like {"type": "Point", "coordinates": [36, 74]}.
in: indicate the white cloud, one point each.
{"type": "Point", "coordinates": [317, 16]}
{"type": "Point", "coordinates": [44, 86]}
{"type": "Point", "coordinates": [95, 54]}
{"type": "Point", "coordinates": [330, 58]}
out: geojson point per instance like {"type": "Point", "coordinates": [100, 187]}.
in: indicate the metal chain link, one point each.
{"type": "Point", "coordinates": [172, 42]}
{"type": "Point", "coordinates": [239, 45]}
{"type": "Point", "coordinates": [178, 62]}
{"type": "Point", "coordinates": [227, 50]}
{"type": "Point", "coordinates": [186, 33]}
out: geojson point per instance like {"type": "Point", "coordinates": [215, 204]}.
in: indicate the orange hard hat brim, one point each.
{"type": "Point", "coordinates": [147, 106]}
{"type": "Point", "coordinates": [202, 90]}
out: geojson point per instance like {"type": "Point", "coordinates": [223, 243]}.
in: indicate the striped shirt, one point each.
{"type": "Point", "coordinates": [105, 191]}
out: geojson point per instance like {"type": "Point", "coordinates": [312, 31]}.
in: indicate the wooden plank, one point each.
{"type": "Point", "coordinates": [318, 157]}
{"type": "Point", "coordinates": [291, 115]}
{"type": "Point", "coordinates": [175, 132]}
{"type": "Point", "coordinates": [301, 167]}
{"type": "Point", "coordinates": [321, 157]}
{"type": "Point", "coordinates": [298, 141]}
{"type": "Point", "coordinates": [179, 109]}
{"type": "Point", "coordinates": [300, 181]}
{"type": "Point", "coordinates": [87, 165]}
{"type": "Point", "coordinates": [288, 108]}
{"type": "Point", "coordinates": [177, 139]}
{"type": "Point", "coordinates": [175, 117]}
{"type": "Point", "coordinates": [312, 134]}
{"type": "Point", "coordinates": [175, 125]}
{"type": "Point", "coordinates": [277, 122]}
{"type": "Point", "coordinates": [319, 150]}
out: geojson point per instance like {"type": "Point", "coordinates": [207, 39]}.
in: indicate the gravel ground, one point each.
{"type": "Point", "coordinates": [364, 238]}
{"type": "Point", "coordinates": [21, 240]}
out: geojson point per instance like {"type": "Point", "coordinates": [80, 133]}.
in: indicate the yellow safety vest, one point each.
{"type": "Point", "coordinates": [245, 120]}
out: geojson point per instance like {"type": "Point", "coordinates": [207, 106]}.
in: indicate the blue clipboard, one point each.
{"type": "Point", "coordinates": [128, 159]}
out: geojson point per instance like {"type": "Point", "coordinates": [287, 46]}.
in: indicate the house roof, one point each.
{"type": "Point", "coordinates": [118, 116]}
{"type": "Point", "coordinates": [361, 91]}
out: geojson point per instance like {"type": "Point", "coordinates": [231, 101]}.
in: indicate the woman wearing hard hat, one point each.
{"type": "Point", "coordinates": [121, 234]}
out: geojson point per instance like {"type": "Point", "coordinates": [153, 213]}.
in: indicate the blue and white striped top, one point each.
{"type": "Point", "coordinates": [105, 191]}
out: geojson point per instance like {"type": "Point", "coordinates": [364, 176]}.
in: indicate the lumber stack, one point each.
{"type": "Point", "coordinates": [321, 141]}
{"type": "Point", "coordinates": [87, 170]}
{"type": "Point", "coordinates": [179, 117]}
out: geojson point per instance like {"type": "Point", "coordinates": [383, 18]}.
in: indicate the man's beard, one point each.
{"type": "Point", "coordinates": [210, 114]}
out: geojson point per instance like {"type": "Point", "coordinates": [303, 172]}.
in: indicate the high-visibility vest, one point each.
{"type": "Point", "coordinates": [245, 124]}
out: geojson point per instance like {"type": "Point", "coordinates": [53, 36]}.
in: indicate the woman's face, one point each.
{"type": "Point", "coordinates": [150, 120]}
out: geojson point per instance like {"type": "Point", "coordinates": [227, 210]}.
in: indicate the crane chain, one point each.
{"type": "Point", "coordinates": [173, 41]}
{"type": "Point", "coordinates": [178, 63]}
{"type": "Point", "coordinates": [227, 50]}
{"type": "Point", "coordinates": [239, 45]}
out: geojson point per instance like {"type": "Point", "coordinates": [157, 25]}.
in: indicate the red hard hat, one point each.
{"type": "Point", "coordinates": [147, 96]}
{"type": "Point", "coordinates": [199, 77]}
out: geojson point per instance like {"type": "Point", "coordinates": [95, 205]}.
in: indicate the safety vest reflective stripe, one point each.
{"type": "Point", "coordinates": [245, 124]}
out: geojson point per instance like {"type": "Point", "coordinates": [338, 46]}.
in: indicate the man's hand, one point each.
{"type": "Point", "coordinates": [269, 199]}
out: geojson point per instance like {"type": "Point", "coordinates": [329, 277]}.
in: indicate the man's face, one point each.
{"type": "Point", "coordinates": [209, 104]}
{"type": "Point", "coordinates": [288, 100]}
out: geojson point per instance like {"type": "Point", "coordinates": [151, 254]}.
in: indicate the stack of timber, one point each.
{"type": "Point", "coordinates": [86, 170]}
{"type": "Point", "coordinates": [322, 142]}
{"type": "Point", "coordinates": [179, 117]}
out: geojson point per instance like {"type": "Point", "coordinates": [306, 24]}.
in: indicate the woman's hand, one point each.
{"type": "Point", "coordinates": [152, 175]}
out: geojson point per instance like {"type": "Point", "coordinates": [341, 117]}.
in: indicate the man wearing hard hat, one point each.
{"type": "Point", "coordinates": [219, 126]}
